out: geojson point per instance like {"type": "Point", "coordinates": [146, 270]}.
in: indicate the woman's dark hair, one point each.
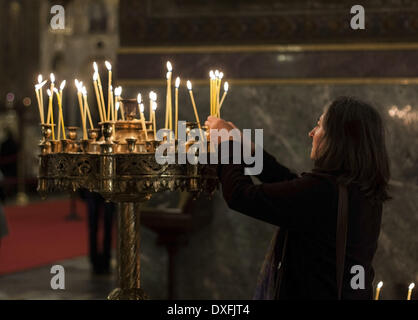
{"type": "Point", "coordinates": [354, 145]}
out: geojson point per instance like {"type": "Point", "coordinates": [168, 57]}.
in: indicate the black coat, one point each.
{"type": "Point", "coordinates": [306, 207]}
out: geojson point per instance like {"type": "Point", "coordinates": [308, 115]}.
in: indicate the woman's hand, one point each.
{"type": "Point", "coordinates": [214, 123]}
{"type": "Point", "coordinates": [219, 124]}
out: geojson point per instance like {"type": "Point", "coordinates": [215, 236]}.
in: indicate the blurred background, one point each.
{"type": "Point", "coordinates": [284, 60]}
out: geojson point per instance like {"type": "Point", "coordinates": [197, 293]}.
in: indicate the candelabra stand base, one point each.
{"type": "Point", "coordinates": [129, 260]}
{"type": "Point", "coordinates": [127, 294]}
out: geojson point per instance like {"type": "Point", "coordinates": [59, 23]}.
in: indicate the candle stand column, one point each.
{"type": "Point", "coordinates": [129, 268]}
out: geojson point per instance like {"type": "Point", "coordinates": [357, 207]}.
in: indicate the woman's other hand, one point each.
{"type": "Point", "coordinates": [214, 123]}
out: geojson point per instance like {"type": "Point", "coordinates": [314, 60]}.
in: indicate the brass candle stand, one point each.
{"type": "Point", "coordinates": [121, 166]}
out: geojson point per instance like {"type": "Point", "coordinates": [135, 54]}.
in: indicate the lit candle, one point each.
{"type": "Point", "coordinates": [189, 86]}
{"type": "Point", "coordinates": [379, 286]}
{"type": "Point", "coordinates": [38, 91]}
{"type": "Point", "coordinates": [41, 97]}
{"type": "Point", "coordinates": [61, 116]}
{"type": "Point", "coordinates": [118, 92]}
{"type": "Point", "coordinates": [154, 107]}
{"type": "Point", "coordinates": [218, 93]}
{"type": "Point", "coordinates": [109, 68]}
{"type": "Point", "coordinates": [48, 91]}
{"type": "Point", "coordinates": [99, 85]}
{"type": "Point", "coordinates": [141, 114]}
{"type": "Point", "coordinates": [112, 106]}
{"type": "Point", "coordinates": [80, 103]}
{"type": "Point", "coordinates": [226, 88]}
{"type": "Point", "coordinates": [176, 102]}
{"type": "Point", "coordinates": [211, 81]}
{"type": "Point", "coordinates": [116, 110]}
{"type": "Point", "coordinates": [48, 118]}
{"type": "Point", "coordinates": [86, 108]}
{"type": "Point", "coordinates": [96, 90]}
{"type": "Point", "coordinates": [151, 98]}
{"type": "Point", "coordinates": [411, 286]}
{"type": "Point", "coordinates": [168, 119]}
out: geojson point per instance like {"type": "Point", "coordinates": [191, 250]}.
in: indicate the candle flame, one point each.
{"type": "Point", "coordinates": [56, 90]}
{"type": "Point", "coordinates": [95, 76]}
{"type": "Point", "coordinates": [411, 286]}
{"type": "Point", "coordinates": [154, 105]}
{"type": "Point", "coordinates": [221, 75]}
{"type": "Point", "coordinates": [380, 284]}
{"type": "Point", "coordinates": [139, 98]}
{"type": "Point", "coordinates": [117, 106]}
{"type": "Point", "coordinates": [217, 73]}
{"type": "Point", "coordinates": [95, 67]}
{"type": "Point", "coordinates": [168, 75]}
{"type": "Point", "coordinates": [40, 78]}
{"type": "Point", "coordinates": [153, 96]}
{"type": "Point", "coordinates": [108, 65]}
{"type": "Point", "coordinates": [52, 77]}
{"type": "Point", "coordinates": [141, 107]}
{"type": "Point", "coordinates": [40, 85]}
{"type": "Point", "coordinates": [84, 91]}
{"type": "Point", "coordinates": [177, 82]}
{"type": "Point", "coordinates": [169, 67]}
{"type": "Point", "coordinates": [211, 74]}
{"type": "Point", "coordinates": [118, 91]}
{"type": "Point", "coordinates": [48, 92]}
{"type": "Point", "coordinates": [189, 85]}
{"type": "Point", "coordinates": [62, 86]}
{"type": "Point", "coordinates": [226, 86]}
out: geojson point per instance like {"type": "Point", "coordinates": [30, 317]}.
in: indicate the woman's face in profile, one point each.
{"type": "Point", "coordinates": [316, 134]}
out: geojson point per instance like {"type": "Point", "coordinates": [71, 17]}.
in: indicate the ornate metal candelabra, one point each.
{"type": "Point", "coordinates": [121, 166]}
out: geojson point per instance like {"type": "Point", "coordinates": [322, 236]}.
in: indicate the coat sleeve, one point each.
{"type": "Point", "coordinates": [273, 171]}
{"type": "Point", "coordinates": [295, 203]}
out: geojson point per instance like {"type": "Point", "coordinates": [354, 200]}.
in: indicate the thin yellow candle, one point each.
{"type": "Point", "coordinates": [168, 97]}
{"type": "Point", "coordinates": [141, 114]}
{"type": "Point", "coordinates": [116, 110]}
{"type": "Point", "coordinates": [100, 88]}
{"type": "Point", "coordinates": [39, 102]}
{"type": "Point", "coordinates": [112, 106]}
{"type": "Point", "coordinates": [80, 103]}
{"type": "Point", "coordinates": [226, 88]}
{"type": "Point", "coordinates": [152, 96]}
{"type": "Point", "coordinates": [118, 92]}
{"type": "Point", "coordinates": [221, 75]}
{"type": "Point", "coordinates": [189, 87]}
{"type": "Point", "coordinates": [87, 108]}
{"type": "Point", "coordinates": [61, 116]}
{"type": "Point", "coordinates": [52, 78]}
{"type": "Point", "coordinates": [38, 91]}
{"type": "Point", "coordinates": [410, 288]}
{"type": "Point", "coordinates": [176, 102]}
{"type": "Point", "coordinates": [41, 97]}
{"type": "Point", "coordinates": [154, 107]}
{"type": "Point", "coordinates": [49, 92]}
{"type": "Point", "coordinates": [212, 77]}
{"type": "Point", "coordinates": [216, 91]}
{"type": "Point", "coordinates": [379, 286]}
{"type": "Point", "coordinates": [96, 90]}
{"type": "Point", "coordinates": [109, 68]}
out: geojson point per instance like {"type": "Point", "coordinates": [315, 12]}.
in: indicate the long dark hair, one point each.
{"type": "Point", "coordinates": [354, 146]}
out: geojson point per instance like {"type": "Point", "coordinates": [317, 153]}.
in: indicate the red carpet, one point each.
{"type": "Point", "coordinates": [39, 234]}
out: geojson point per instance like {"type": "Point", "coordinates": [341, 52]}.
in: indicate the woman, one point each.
{"type": "Point", "coordinates": [349, 153]}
